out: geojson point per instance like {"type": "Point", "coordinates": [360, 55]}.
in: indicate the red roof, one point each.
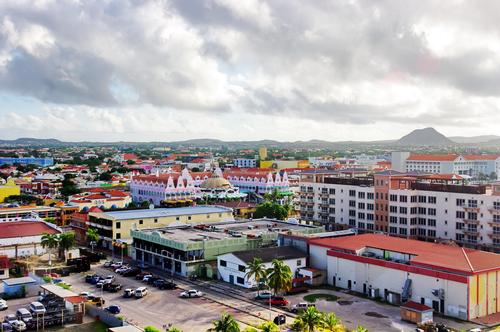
{"type": "Point", "coordinates": [95, 209]}
{"type": "Point", "coordinates": [433, 157]}
{"type": "Point", "coordinates": [12, 229]}
{"type": "Point", "coordinates": [236, 204]}
{"type": "Point", "coordinates": [129, 156]}
{"type": "Point", "coordinates": [426, 254]}
{"type": "Point", "coordinates": [416, 306]}
{"type": "Point", "coordinates": [481, 157]}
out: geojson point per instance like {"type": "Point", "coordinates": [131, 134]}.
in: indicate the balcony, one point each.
{"type": "Point", "coordinates": [494, 235]}
{"type": "Point", "coordinates": [471, 222]}
{"type": "Point", "coordinates": [471, 208]}
{"type": "Point", "coordinates": [494, 209]}
{"type": "Point", "coordinates": [472, 232]}
{"type": "Point", "coordinates": [323, 194]}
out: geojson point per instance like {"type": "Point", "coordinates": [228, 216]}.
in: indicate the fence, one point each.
{"type": "Point", "coordinates": [103, 316]}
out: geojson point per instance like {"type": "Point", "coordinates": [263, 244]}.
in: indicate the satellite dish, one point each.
{"type": "Point", "coordinates": [151, 206]}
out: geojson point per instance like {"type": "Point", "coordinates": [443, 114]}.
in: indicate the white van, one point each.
{"type": "Point", "coordinates": [141, 292]}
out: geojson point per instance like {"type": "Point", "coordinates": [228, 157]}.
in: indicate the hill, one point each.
{"type": "Point", "coordinates": [427, 136]}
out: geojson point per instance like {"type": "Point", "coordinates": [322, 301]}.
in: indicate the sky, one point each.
{"type": "Point", "coordinates": [133, 70]}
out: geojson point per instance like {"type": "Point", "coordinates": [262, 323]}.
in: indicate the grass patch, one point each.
{"type": "Point", "coordinates": [89, 327]}
{"type": "Point", "coordinates": [314, 297]}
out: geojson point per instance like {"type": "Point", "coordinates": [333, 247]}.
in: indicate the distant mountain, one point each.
{"type": "Point", "coordinates": [427, 136]}
{"type": "Point", "coordinates": [33, 141]}
{"type": "Point", "coordinates": [474, 139]}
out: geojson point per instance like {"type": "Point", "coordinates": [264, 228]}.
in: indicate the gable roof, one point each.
{"type": "Point", "coordinates": [268, 254]}
{"type": "Point", "coordinates": [424, 254]}
{"type": "Point", "coordinates": [11, 229]}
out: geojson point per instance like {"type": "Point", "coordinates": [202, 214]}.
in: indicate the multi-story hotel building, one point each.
{"type": "Point", "coordinates": [474, 166]}
{"type": "Point", "coordinates": [426, 207]}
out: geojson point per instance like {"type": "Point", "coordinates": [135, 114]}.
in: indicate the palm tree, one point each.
{"type": "Point", "coordinates": [92, 237]}
{"type": "Point", "coordinates": [331, 322]}
{"type": "Point", "coordinates": [49, 241]}
{"type": "Point", "coordinates": [309, 319]}
{"type": "Point", "coordinates": [257, 271]}
{"type": "Point", "coordinates": [279, 276]}
{"type": "Point", "coordinates": [269, 327]}
{"type": "Point", "coordinates": [66, 242]}
{"type": "Point", "coordinates": [226, 323]}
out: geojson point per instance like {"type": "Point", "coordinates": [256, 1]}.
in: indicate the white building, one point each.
{"type": "Point", "coordinates": [474, 166]}
{"type": "Point", "coordinates": [456, 282]}
{"type": "Point", "coordinates": [23, 238]}
{"type": "Point", "coordinates": [427, 207]}
{"type": "Point", "coordinates": [232, 267]}
{"type": "Point", "coordinates": [245, 162]}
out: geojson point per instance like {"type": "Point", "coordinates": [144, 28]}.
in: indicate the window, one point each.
{"type": "Point", "coordinates": [299, 262]}
{"type": "Point", "coordinates": [369, 206]}
{"type": "Point", "coordinates": [431, 233]}
{"type": "Point", "coordinates": [361, 225]}
{"type": "Point", "coordinates": [369, 227]}
{"type": "Point", "coordinates": [459, 237]}
{"type": "Point", "coordinates": [403, 210]}
{"type": "Point", "coordinates": [118, 236]}
{"type": "Point", "coordinates": [472, 215]}
{"type": "Point", "coordinates": [403, 198]}
{"type": "Point", "coordinates": [177, 218]}
{"type": "Point", "coordinates": [141, 222]}
{"type": "Point", "coordinates": [413, 221]}
{"type": "Point", "coordinates": [422, 210]}
{"type": "Point", "coordinates": [156, 220]}
{"type": "Point", "coordinates": [403, 221]}
{"type": "Point", "coordinates": [240, 280]}
{"type": "Point", "coordinates": [369, 216]}
{"type": "Point", "coordinates": [361, 195]}
{"type": "Point", "coordinates": [393, 209]}
{"type": "Point", "coordinates": [413, 231]}
{"type": "Point", "coordinates": [431, 212]}
{"type": "Point", "coordinates": [472, 203]}
{"type": "Point", "coordinates": [459, 225]}
{"type": "Point", "coordinates": [431, 222]}
{"type": "Point", "coordinates": [422, 199]}
{"type": "Point", "coordinates": [352, 213]}
{"type": "Point", "coordinates": [421, 221]}
{"type": "Point", "coordinates": [413, 199]}
{"type": "Point", "coordinates": [369, 195]}
{"type": "Point", "coordinates": [352, 222]}
{"type": "Point", "coordinates": [208, 216]}
{"type": "Point", "coordinates": [393, 230]}
{"type": "Point", "coordinates": [460, 214]}
{"type": "Point", "coordinates": [332, 191]}
{"type": "Point", "coordinates": [403, 231]}
{"type": "Point", "coordinates": [460, 202]}
{"type": "Point", "coordinates": [361, 206]}
{"type": "Point", "coordinates": [118, 224]}
{"type": "Point", "coordinates": [189, 217]}
{"type": "Point", "coordinates": [393, 220]}
{"type": "Point", "coordinates": [361, 215]}
{"type": "Point", "coordinates": [352, 193]}
{"type": "Point", "coordinates": [413, 210]}
{"type": "Point", "coordinates": [241, 268]}
{"type": "Point", "coordinates": [352, 203]}
{"type": "Point", "coordinates": [432, 200]}
{"type": "Point", "coordinates": [393, 198]}
{"type": "Point", "coordinates": [223, 263]}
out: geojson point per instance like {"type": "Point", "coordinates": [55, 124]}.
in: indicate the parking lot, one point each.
{"type": "Point", "coordinates": [160, 307]}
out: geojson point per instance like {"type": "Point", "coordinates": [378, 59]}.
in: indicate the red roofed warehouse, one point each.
{"type": "Point", "coordinates": [23, 238]}
{"type": "Point", "coordinates": [454, 281]}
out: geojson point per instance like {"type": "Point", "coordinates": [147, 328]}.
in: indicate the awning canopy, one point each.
{"type": "Point", "coordinates": [58, 291]}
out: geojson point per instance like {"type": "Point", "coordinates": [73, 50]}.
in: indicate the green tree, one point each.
{"type": "Point", "coordinates": [257, 271]}
{"type": "Point", "coordinates": [51, 220]}
{"type": "Point", "coordinates": [145, 204]}
{"type": "Point", "coordinates": [49, 241]}
{"type": "Point", "coordinates": [173, 329]}
{"type": "Point", "coordinates": [68, 186]}
{"type": "Point", "coordinates": [331, 322]}
{"type": "Point", "coordinates": [269, 327]}
{"type": "Point", "coordinates": [361, 328]}
{"type": "Point", "coordinates": [92, 237]}
{"type": "Point", "coordinates": [105, 176]}
{"type": "Point", "coordinates": [308, 320]}
{"type": "Point", "coordinates": [226, 323]}
{"type": "Point", "coordinates": [151, 329]}
{"type": "Point", "coordinates": [66, 242]}
{"type": "Point", "coordinates": [279, 276]}
{"type": "Point", "coordinates": [271, 210]}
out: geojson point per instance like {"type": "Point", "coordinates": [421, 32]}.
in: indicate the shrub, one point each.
{"type": "Point", "coordinates": [151, 329]}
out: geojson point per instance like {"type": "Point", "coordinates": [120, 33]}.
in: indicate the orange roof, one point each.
{"type": "Point", "coordinates": [433, 157]}
{"type": "Point", "coordinates": [450, 176]}
{"type": "Point", "coordinates": [481, 156]}
{"type": "Point", "coordinates": [13, 229]}
{"type": "Point", "coordinates": [428, 254]}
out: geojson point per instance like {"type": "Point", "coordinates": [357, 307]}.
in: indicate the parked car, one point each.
{"type": "Point", "coordinates": [301, 306]}
{"type": "Point", "coordinates": [146, 277]}
{"type": "Point", "coordinates": [37, 308]}
{"type": "Point", "coordinates": [113, 309]}
{"type": "Point", "coordinates": [191, 293]}
{"type": "Point", "coordinates": [18, 325]}
{"type": "Point", "coordinates": [112, 287]}
{"type": "Point", "coordinates": [96, 300]}
{"type": "Point", "coordinates": [116, 265]}
{"type": "Point", "coordinates": [6, 327]}
{"type": "Point", "coordinates": [3, 304]}
{"type": "Point", "coordinates": [141, 292]}
{"type": "Point", "coordinates": [278, 301]}
{"type": "Point", "coordinates": [128, 292]}
{"type": "Point", "coordinates": [108, 263]}
{"type": "Point", "coordinates": [131, 272]}
{"type": "Point", "coordinates": [163, 284]}
{"type": "Point", "coordinates": [95, 279]}
{"type": "Point", "coordinates": [141, 275]}
{"type": "Point", "coordinates": [24, 315]}
{"type": "Point", "coordinates": [263, 295]}
{"type": "Point", "coordinates": [10, 318]}
{"type": "Point", "coordinates": [89, 277]}
{"type": "Point", "coordinates": [152, 280]}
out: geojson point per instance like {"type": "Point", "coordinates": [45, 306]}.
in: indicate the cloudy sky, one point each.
{"type": "Point", "coordinates": [252, 69]}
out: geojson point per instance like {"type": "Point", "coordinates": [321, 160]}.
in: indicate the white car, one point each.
{"type": "Point", "coordinates": [18, 325]}
{"type": "Point", "coordinates": [191, 293]}
{"type": "Point", "coordinates": [110, 277]}
{"type": "Point", "coordinates": [146, 277]}
{"type": "Point", "coordinates": [3, 304]}
{"type": "Point", "coordinates": [37, 308]}
{"type": "Point", "coordinates": [86, 294]}
{"type": "Point", "coordinates": [116, 265]}
{"type": "Point", "coordinates": [122, 269]}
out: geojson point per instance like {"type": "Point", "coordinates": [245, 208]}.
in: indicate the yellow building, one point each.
{"type": "Point", "coordinates": [9, 189]}
{"type": "Point", "coordinates": [282, 164]}
{"type": "Point", "coordinates": [116, 225]}
{"type": "Point", "coordinates": [262, 153]}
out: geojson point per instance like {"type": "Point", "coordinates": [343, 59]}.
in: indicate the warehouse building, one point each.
{"type": "Point", "coordinates": [454, 281]}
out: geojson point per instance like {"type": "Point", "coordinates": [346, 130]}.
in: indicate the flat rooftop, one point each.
{"type": "Point", "coordinates": [163, 212]}
{"type": "Point", "coordinates": [424, 254]}
{"type": "Point", "coordinates": [226, 230]}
